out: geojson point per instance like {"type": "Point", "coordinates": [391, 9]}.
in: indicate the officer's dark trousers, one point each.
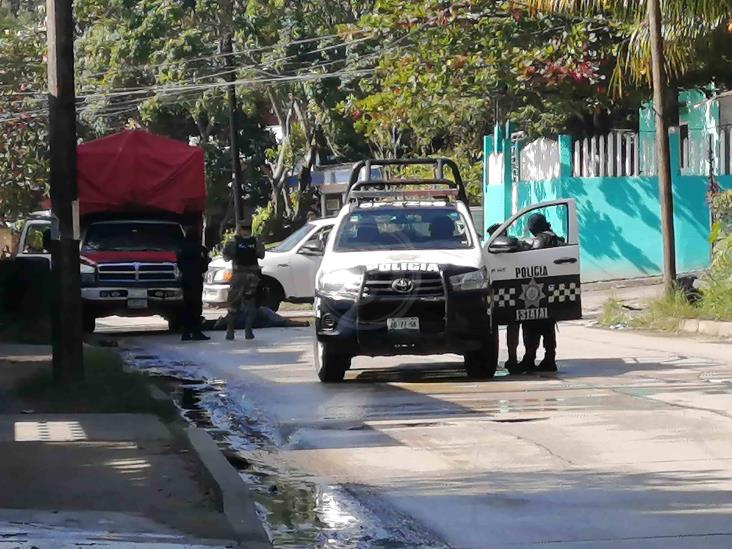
{"type": "Point", "coordinates": [192, 307]}
{"type": "Point", "coordinates": [512, 340]}
{"type": "Point", "coordinates": [534, 331]}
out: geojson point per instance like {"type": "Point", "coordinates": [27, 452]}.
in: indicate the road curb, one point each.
{"type": "Point", "coordinates": [714, 328]}
{"type": "Point", "coordinates": [238, 506]}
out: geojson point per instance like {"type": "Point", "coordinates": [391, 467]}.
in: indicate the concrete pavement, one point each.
{"type": "Point", "coordinates": [118, 480]}
{"type": "Point", "coordinates": [629, 445]}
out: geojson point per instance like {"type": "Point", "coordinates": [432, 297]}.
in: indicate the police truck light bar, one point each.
{"type": "Point", "coordinates": [406, 194]}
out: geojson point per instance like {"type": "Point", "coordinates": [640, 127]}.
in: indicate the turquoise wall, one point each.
{"type": "Point", "coordinates": [619, 222]}
{"type": "Point", "coordinates": [619, 218]}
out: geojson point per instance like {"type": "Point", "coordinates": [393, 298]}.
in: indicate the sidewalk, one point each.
{"type": "Point", "coordinates": [97, 478]}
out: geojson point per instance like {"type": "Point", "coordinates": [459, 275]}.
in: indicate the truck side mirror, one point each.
{"type": "Point", "coordinates": [504, 245]}
{"type": "Point", "coordinates": [314, 247]}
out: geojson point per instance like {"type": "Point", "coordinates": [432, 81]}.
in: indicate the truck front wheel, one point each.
{"type": "Point", "coordinates": [90, 323]}
{"type": "Point", "coordinates": [482, 364]}
{"type": "Point", "coordinates": [331, 367]}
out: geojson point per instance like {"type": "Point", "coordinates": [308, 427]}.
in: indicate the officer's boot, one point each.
{"type": "Point", "coordinates": [230, 326]}
{"type": "Point", "coordinates": [549, 364]}
{"type": "Point", "coordinates": [251, 314]}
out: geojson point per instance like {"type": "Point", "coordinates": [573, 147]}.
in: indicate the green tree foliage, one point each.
{"type": "Point", "coordinates": [692, 30]}
{"type": "Point", "coordinates": [343, 79]}
{"type": "Point", "coordinates": [23, 158]}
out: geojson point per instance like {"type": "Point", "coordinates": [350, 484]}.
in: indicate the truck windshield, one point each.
{"type": "Point", "coordinates": [133, 236]}
{"type": "Point", "coordinates": [291, 241]}
{"type": "Point", "coordinates": [403, 229]}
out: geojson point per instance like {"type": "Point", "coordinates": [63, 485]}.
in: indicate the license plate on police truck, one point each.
{"type": "Point", "coordinates": [409, 323]}
{"type": "Point", "coordinates": [137, 303]}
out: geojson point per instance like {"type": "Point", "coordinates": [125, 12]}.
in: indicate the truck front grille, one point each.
{"type": "Point", "coordinates": [133, 272]}
{"type": "Point", "coordinates": [403, 285]}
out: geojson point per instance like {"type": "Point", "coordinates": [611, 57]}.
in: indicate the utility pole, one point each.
{"type": "Point", "coordinates": [67, 331]}
{"type": "Point", "coordinates": [236, 185]}
{"type": "Point", "coordinates": [663, 163]}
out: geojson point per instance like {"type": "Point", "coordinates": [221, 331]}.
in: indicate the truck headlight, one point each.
{"type": "Point", "coordinates": [223, 276]}
{"type": "Point", "coordinates": [474, 280]}
{"type": "Point", "coordinates": [88, 274]}
{"type": "Point", "coordinates": [341, 283]}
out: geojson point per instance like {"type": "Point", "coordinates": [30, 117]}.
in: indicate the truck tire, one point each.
{"type": "Point", "coordinates": [90, 323]}
{"type": "Point", "coordinates": [331, 367]}
{"type": "Point", "coordinates": [270, 294]}
{"type": "Point", "coordinates": [482, 364]}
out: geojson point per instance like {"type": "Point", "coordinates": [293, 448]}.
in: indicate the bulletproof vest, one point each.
{"type": "Point", "coordinates": [545, 239]}
{"type": "Point", "coordinates": [246, 252]}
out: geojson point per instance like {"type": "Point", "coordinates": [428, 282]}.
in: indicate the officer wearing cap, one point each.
{"type": "Point", "coordinates": [244, 251]}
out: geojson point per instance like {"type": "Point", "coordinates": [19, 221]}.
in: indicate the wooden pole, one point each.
{"type": "Point", "coordinates": [236, 184]}
{"type": "Point", "coordinates": [67, 330]}
{"type": "Point", "coordinates": [663, 160]}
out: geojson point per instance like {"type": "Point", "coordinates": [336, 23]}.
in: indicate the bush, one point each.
{"type": "Point", "coordinates": [716, 302]}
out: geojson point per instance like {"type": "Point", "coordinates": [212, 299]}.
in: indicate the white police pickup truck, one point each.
{"type": "Point", "coordinates": [288, 269]}
{"type": "Point", "coordinates": [404, 273]}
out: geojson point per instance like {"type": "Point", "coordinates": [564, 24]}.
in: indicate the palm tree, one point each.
{"type": "Point", "coordinates": [684, 24]}
{"type": "Point", "coordinates": [661, 44]}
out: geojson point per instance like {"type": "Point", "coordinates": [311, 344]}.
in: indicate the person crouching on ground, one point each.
{"type": "Point", "coordinates": [244, 251]}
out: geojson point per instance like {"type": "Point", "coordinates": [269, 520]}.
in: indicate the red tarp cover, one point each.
{"type": "Point", "coordinates": [138, 171]}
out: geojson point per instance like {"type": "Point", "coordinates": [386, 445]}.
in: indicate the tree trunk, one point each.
{"type": "Point", "coordinates": [663, 161]}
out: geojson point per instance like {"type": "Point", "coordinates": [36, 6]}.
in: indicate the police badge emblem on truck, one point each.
{"type": "Point", "coordinates": [402, 285]}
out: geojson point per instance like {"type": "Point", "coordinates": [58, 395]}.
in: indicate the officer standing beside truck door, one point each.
{"type": "Point", "coordinates": [244, 251]}
{"type": "Point", "coordinates": [536, 330]}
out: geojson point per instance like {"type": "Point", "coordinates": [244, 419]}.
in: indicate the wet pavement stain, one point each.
{"type": "Point", "coordinates": [298, 510]}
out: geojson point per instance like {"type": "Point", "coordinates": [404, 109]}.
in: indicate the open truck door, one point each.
{"type": "Point", "coordinates": [536, 284]}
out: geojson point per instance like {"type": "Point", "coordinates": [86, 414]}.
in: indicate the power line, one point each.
{"type": "Point", "coordinates": [40, 96]}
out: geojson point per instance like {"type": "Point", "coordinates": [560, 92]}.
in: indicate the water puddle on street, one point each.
{"type": "Point", "coordinates": [298, 510]}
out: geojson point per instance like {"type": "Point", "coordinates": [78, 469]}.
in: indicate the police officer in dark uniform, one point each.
{"type": "Point", "coordinates": [536, 330]}
{"type": "Point", "coordinates": [193, 263]}
{"type": "Point", "coordinates": [244, 251]}
{"type": "Point", "coordinates": [513, 329]}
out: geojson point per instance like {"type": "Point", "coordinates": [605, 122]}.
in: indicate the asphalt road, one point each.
{"type": "Point", "coordinates": [630, 445]}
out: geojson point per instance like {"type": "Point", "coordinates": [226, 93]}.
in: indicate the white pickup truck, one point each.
{"type": "Point", "coordinates": [288, 270]}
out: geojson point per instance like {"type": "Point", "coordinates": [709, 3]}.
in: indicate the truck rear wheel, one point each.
{"type": "Point", "coordinates": [482, 364]}
{"type": "Point", "coordinates": [331, 367]}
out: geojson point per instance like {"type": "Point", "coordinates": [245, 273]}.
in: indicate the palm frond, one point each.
{"type": "Point", "coordinates": [685, 23]}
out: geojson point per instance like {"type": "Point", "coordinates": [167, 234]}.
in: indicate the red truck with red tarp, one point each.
{"type": "Point", "coordinates": [137, 192]}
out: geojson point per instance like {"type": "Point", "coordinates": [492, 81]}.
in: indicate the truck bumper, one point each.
{"type": "Point", "coordinates": [459, 325]}
{"type": "Point", "coordinates": [124, 301]}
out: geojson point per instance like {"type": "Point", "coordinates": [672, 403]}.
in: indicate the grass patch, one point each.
{"type": "Point", "coordinates": [613, 314]}
{"type": "Point", "coordinates": [107, 387]}
{"type": "Point", "coordinates": [19, 330]}
{"type": "Point", "coordinates": [665, 313]}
